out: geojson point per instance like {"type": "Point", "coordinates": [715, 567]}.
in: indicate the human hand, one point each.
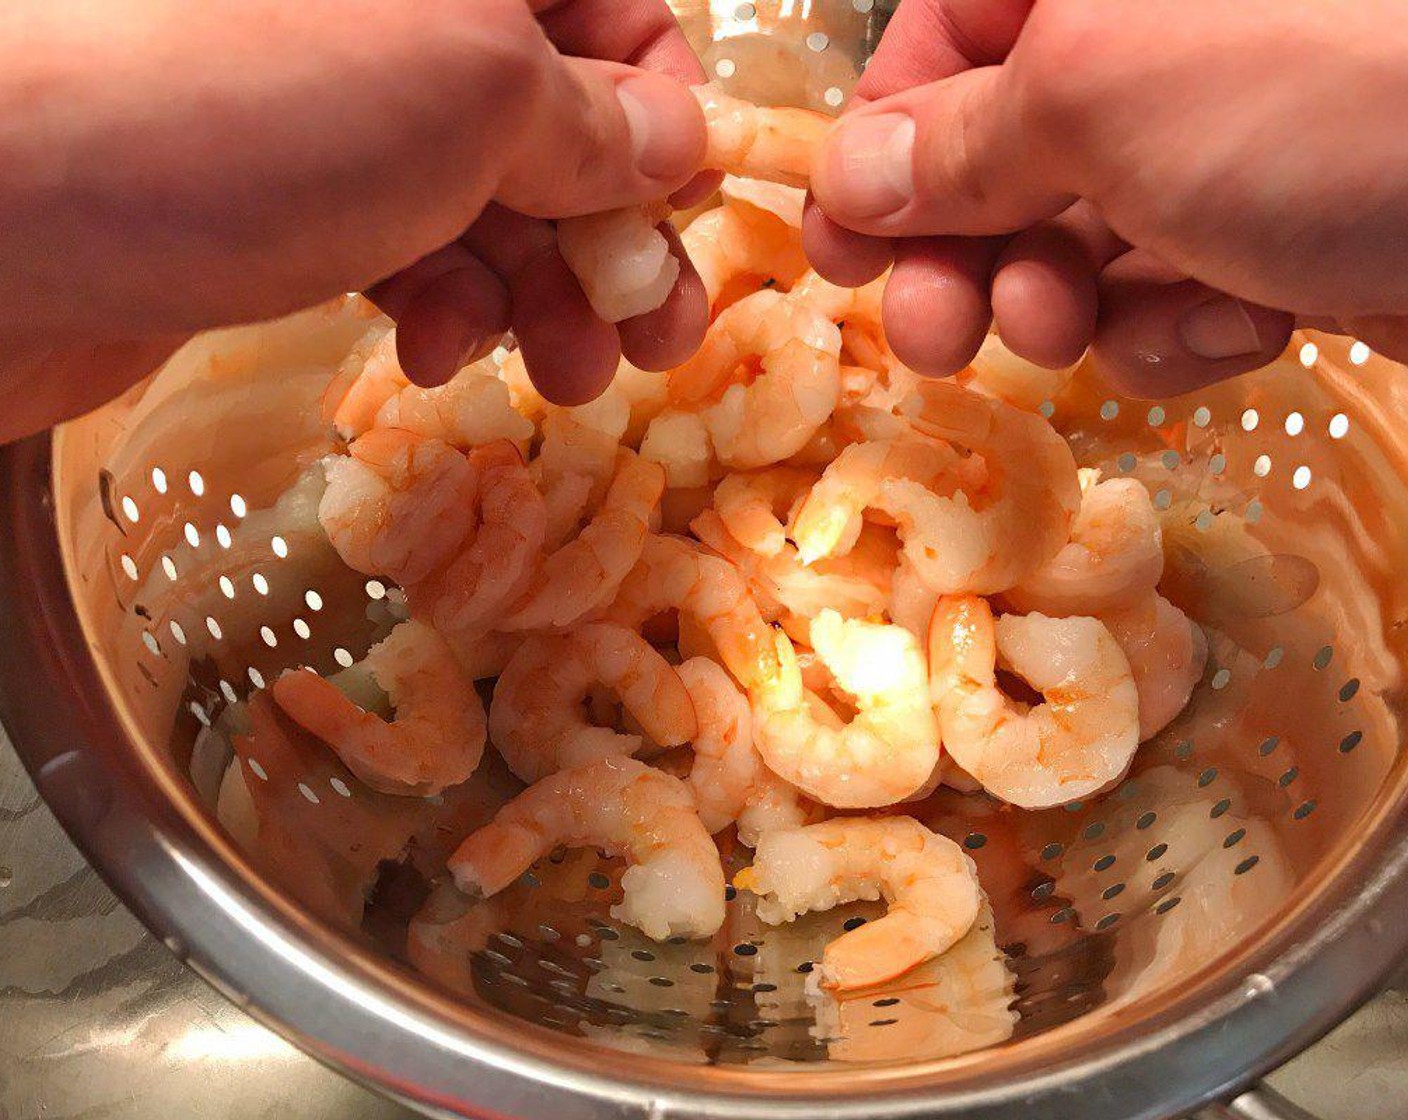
{"type": "Point", "coordinates": [169, 167]}
{"type": "Point", "coordinates": [1089, 170]}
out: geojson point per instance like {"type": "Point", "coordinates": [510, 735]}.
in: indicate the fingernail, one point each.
{"type": "Point", "coordinates": [666, 126]}
{"type": "Point", "coordinates": [1219, 329]}
{"type": "Point", "coordinates": [870, 166]}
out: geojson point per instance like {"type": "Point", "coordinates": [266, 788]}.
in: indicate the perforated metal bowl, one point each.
{"type": "Point", "coordinates": [1148, 952]}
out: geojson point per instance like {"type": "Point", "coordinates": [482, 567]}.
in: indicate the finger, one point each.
{"type": "Point", "coordinates": [663, 338]}
{"type": "Point", "coordinates": [570, 354]}
{"type": "Point", "coordinates": [640, 33]}
{"type": "Point", "coordinates": [1157, 339]}
{"type": "Point", "coordinates": [952, 157]}
{"type": "Point", "coordinates": [927, 40]}
{"type": "Point", "coordinates": [455, 319]}
{"type": "Point", "coordinates": [1044, 289]}
{"type": "Point", "coordinates": [607, 136]}
{"type": "Point", "coordinates": [936, 310]}
{"type": "Point", "coordinates": [841, 256]}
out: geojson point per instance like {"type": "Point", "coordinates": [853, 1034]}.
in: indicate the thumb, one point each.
{"type": "Point", "coordinates": [604, 136]}
{"type": "Point", "coordinates": [951, 157]}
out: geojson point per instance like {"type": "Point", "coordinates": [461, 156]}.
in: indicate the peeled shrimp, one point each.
{"type": "Point", "coordinates": [740, 248]}
{"type": "Point", "coordinates": [375, 377]}
{"type": "Point", "coordinates": [470, 409]}
{"type": "Point", "coordinates": [776, 144]}
{"type": "Point", "coordinates": [674, 886]}
{"type": "Point", "coordinates": [537, 720]}
{"type": "Point", "coordinates": [1076, 743]}
{"type": "Point", "coordinates": [398, 504]}
{"type": "Point", "coordinates": [437, 737]}
{"type": "Point", "coordinates": [930, 884]}
{"type": "Point", "coordinates": [679, 442]}
{"type": "Point", "coordinates": [585, 573]}
{"type": "Point", "coordinates": [997, 372]}
{"type": "Point", "coordinates": [748, 505]}
{"type": "Point", "coordinates": [730, 781]}
{"type": "Point", "coordinates": [886, 752]}
{"type": "Point", "coordinates": [468, 594]}
{"type": "Point", "coordinates": [1167, 653]}
{"type": "Point", "coordinates": [674, 573]}
{"type": "Point", "coordinates": [577, 459]}
{"type": "Point", "coordinates": [912, 601]}
{"type": "Point", "coordinates": [1114, 558]}
{"type": "Point", "coordinates": [621, 259]}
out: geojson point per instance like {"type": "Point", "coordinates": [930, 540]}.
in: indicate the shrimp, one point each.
{"type": "Point", "coordinates": [1113, 561]}
{"type": "Point", "coordinates": [931, 887]}
{"type": "Point", "coordinates": [470, 409]}
{"type": "Point", "coordinates": [679, 442]}
{"type": "Point", "coordinates": [748, 504]}
{"type": "Point", "coordinates": [577, 459]}
{"type": "Point", "coordinates": [398, 504]}
{"type": "Point", "coordinates": [675, 573]}
{"type": "Point", "coordinates": [537, 719]}
{"type": "Point", "coordinates": [886, 752]}
{"type": "Point", "coordinates": [778, 199]}
{"type": "Point", "coordinates": [775, 144]}
{"type": "Point", "coordinates": [1167, 653]}
{"type": "Point", "coordinates": [674, 886]}
{"type": "Point", "coordinates": [1076, 743]}
{"type": "Point", "coordinates": [997, 372]}
{"type": "Point", "coordinates": [468, 594]}
{"type": "Point", "coordinates": [585, 573]}
{"type": "Point", "coordinates": [912, 601]}
{"type": "Point", "coordinates": [376, 376]}
{"type": "Point", "coordinates": [437, 737]}
{"type": "Point", "coordinates": [739, 248]}
{"type": "Point", "coordinates": [730, 781]}
{"type": "Point", "coordinates": [621, 259]}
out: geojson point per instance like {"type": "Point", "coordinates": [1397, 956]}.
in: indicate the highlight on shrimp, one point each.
{"type": "Point", "coordinates": [621, 258]}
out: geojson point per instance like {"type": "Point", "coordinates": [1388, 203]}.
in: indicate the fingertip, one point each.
{"type": "Point", "coordinates": [840, 255]}
{"type": "Point", "coordinates": [448, 323]}
{"type": "Point", "coordinates": [663, 338]}
{"type": "Point", "coordinates": [571, 355]}
{"type": "Point", "coordinates": [936, 308]}
{"type": "Point", "coordinates": [696, 190]}
{"type": "Point", "coordinates": [1044, 299]}
{"type": "Point", "coordinates": [665, 124]}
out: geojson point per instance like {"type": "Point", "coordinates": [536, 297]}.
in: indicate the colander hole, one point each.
{"type": "Point", "coordinates": [1163, 498]}
{"type": "Point", "coordinates": [1184, 750]}
{"type": "Point", "coordinates": [1350, 741]}
{"type": "Point", "coordinates": [1052, 851]}
{"type": "Point", "coordinates": [531, 881]}
{"type": "Point", "coordinates": [1274, 656]}
{"type": "Point", "coordinates": [201, 717]}
{"type": "Point", "coordinates": [598, 881]}
{"type": "Point", "coordinates": [1106, 922]}
{"type": "Point", "coordinates": [256, 769]}
{"type": "Point", "coordinates": [342, 657]}
{"type": "Point", "coordinates": [261, 584]}
{"type": "Point", "coordinates": [701, 968]}
{"type": "Point", "coordinates": [1348, 689]}
{"type": "Point", "coordinates": [1203, 522]}
{"type": "Point", "coordinates": [853, 923]}
{"type": "Point", "coordinates": [1246, 865]}
{"type": "Point", "coordinates": [280, 547]}
{"type": "Point", "coordinates": [1220, 808]}
{"type": "Point", "coordinates": [1221, 678]}
{"type": "Point", "coordinates": [308, 793]}
{"type": "Point", "coordinates": [1128, 790]}
{"type": "Point", "coordinates": [833, 96]}
{"type": "Point", "coordinates": [888, 1001]}
{"type": "Point", "coordinates": [745, 12]}
{"type": "Point", "coordinates": [237, 506]}
{"type": "Point", "coordinates": [1207, 777]}
{"type": "Point", "coordinates": [129, 566]}
{"type": "Point", "coordinates": [1166, 905]}
{"type": "Point", "coordinates": [1170, 459]}
{"type": "Point", "coordinates": [974, 840]}
{"type": "Point", "coordinates": [256, 678]}
{"type": "Point", "coordinates": [1104, 863]}
{"type": "Point", "coordinates": [176, 631]}
{"type": "Point", "coordinates": [1047, 409]}
{"type": "Point", "coordinates": [149, 640]}
{"type": "Point", "coordinates": [730, 892]}
{"type": "Point", "coordinates": [806, 966]}
{"type": "Point", "coordinates": [1127, 462]}
{"type": "Point", "coordinates": [1093, 831]}
{"type": "Point", "coordinates": [376, 590]}
{"type": "Point", "coordinates": [1250, 419]}
{"type": "Point", "coordinates": [1309, 354]}
{"type": "Point", "coordinates": [522, 982]}
{"type": "Point", "coordinates": [1146, 819]}
{"type": "Point", "coordinates": [313, 599]}
{"type": "Point", "coordinates": [1300, 478]}
{"type": "Point", "coordinates": [1163, 881]}
{"type": "Point", "coordinates": [1262, 467]}
{"type": "Point", "coordinates": [883, 1022]}
{"type": "Point", "coordinates": [1288, 777]}
{"type": "Point", "coordinates": [130, 510]}
{"type": "Point", "coordinates": [222, 537]}
{"type": "Point", "coordinates": [1042, 891]}
{"type": "Point", "coordinates": [269, 637]}
{"type": "Point", "coordinates": [642, 954]}
{"type": "Point", "coordinates": [725, 68]}
{"type": "Point", "coordinates": [192, 535]}
{"type": "Point", "coordinates": [1156, 853]}
{"type": "Point", "coordinates": [1303, 810]}
{"type": "Point", "coordinates": [818, 41]}
{"type": "Point", "coordinates": [547, 933]}
{"type": "Point", "coordinates": [339, 787]}
{"type": "Point", "coordinates": [227, 690]}
{"type": "Point", "coordinates": [583, 940]}
{"type": "Point", "coordinates": [159, 480]}
{"type": "Point", "coordinates": [1114, 890]}
{"type": "Point", "coordinates": [1234, 838]}
{"type": "Point", "coordinates": [662, 982]}
{"type": "Point", "coordinates": [1295, 424]}
{"type": "Point", "coordinates": [1339, 426]}
{"type": "Point", "coordinates": [1202, 416]}
{"type": "Point", "coordinates": [1074, 806]}
{"type": "Point", "coordinates": [1217, 463]}
{"type": "Point", "coordinates": [744, 949]}
{"type": "Point", "coordinates": [302, 629]}
{"type": "Point", "coordinates": [1063, 915]}
{"type": "Point", "coordinates": [1268, 745]}
{"type": "Point", "coordinates": [1109, 410]}
{"type": "Point", "coordinates": [862, 6]}
{"type": "Point", "coordinates": [1253, 512]}
{"type": "Point", "coordinates": [227, 587]}
{"type": "Point", "coordinates": [1323, 657]}
{"type": "Point", "coordinates": [196, 483]}
{"type": "Point", "coordinates": [1156, 415]}
{"type": "Point", "coordinates": [1359, 353]}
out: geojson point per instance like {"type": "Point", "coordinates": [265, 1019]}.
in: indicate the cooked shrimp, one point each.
{"type": "Point", "coordinates": [437, 737]}
{"type": "Point", "coordinates": [621, 259]}
{"type": "Point", "coordinates": [398, 504]}
{"type": "Point", "coordinates": [470, 409]}
{"type": "Point", "coordinates": [537, 719]}
{"type": "Point", "coordinates": [679, 442]}
{"type": "Point", "coordinates": [729, 779]}
{"type": "Point", "coordinates": [674, 573]}
{"type": "Point", "coordinates": [931, 887]}
{"type": "Point", "coordinates": [748, 505]}
{"type": "Point", "coordinates": [375, 377]}
{"type": "Point", "coordinates": [482, 656]}
{"type": "Point", "coordinates": [886, 752]}
{"type": "Point", "coordinates": [1076, 743]}
{"type": "Point", "coordinates": [1167, 653]}
{"type": "Point", "coordinates": [999, 373]}
{"type": "Point", "coordinates": [776, 144]}
{"type": "Point", "coordinates": [1114, 558]}
{"type": "Point", "coordinates": [778, 199]}
{"type": "Point", "coordinates": [674, 886]}
{"type": "Point", "coordinates": [585, 573]}
{"type": "Point", "coordinates": [468, 594]}
{"type": "Point", "coordinates": [740, 248]}
{"type": "Point", "coordinates": [577, 459]}
{"type": "Point", "coordinates": [912, 601]}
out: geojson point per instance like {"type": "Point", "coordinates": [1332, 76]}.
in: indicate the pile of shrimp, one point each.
{"type": "Point", "coordinates": [761, 599]}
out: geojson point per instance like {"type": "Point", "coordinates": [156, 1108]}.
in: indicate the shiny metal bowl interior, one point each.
{"type": "Point", "coordinates": [1145, 951]}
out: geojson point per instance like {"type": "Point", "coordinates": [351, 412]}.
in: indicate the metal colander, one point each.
{"type": "Point", "coordinates": [1144, 953]}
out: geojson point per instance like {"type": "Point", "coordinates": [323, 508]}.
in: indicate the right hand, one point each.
{"type": "Point", "coordinates": [1179, 181]}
